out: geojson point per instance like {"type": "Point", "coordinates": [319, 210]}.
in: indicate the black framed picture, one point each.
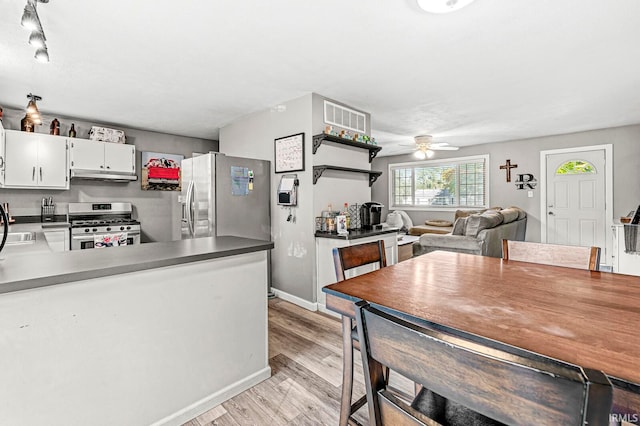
{"type": "Point", "coordinates": [289, 153]}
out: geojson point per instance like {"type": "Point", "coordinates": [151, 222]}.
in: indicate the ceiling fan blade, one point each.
{"type": "Point", "coordinates": [444, 148]}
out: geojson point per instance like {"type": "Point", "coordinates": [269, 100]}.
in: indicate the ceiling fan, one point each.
{"type": "Point", "coordinates": [425, 147]}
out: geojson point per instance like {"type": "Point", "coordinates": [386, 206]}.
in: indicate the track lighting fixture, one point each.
{"type": "Point", "coordinates": [36, 39]}
{"type": "Point", "coordinates": [32, 108]}
{"type": "Point", "coordinates": [31, 21]}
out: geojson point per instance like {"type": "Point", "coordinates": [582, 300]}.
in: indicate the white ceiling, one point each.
{"type": "Point", "coordinates": [496, 70]}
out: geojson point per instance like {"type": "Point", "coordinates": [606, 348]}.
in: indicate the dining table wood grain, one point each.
{"type": "Point", "coordinates": [586, 318]}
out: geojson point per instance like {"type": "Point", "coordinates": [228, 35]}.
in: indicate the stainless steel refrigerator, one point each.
{"type": "Point", "coordinates": [224, 195]}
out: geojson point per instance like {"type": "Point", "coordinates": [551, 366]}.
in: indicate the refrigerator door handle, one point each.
{"type": "Point", "coordinates": [186, 208]}
{"type": "Point", "coordinates": [192, 210]}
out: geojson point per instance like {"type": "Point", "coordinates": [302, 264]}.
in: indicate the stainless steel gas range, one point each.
{"type": "Point", "coordinates": [93, 224]}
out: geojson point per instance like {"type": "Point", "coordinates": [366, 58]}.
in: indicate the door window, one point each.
{"type": "Point", "coordinates": [575, 167]}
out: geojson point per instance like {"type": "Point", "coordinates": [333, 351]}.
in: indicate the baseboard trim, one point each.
{"type": "Point", "coordinates": [194, 410]}
{"type": "Point", "coordinates": [310, 306]}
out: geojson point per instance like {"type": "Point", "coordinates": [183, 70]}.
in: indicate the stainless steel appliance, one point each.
{"type": "Point", "coordinates": [224, 195]}
{"type": "Point", "coordinates": [370, 215]}
{"type": "Point", "coordinates": [90, 221]}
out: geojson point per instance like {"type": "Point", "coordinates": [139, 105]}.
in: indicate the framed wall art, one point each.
{"type": "Point", "coordinates": [160, 171]}
{"type": "Point", "coordinates": [289, 153]}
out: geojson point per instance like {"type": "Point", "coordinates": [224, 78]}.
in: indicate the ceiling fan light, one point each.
{"type": "Point", "coordinates": [42, 55]}
{"type": "Point", "coordinates": [420, 155]}
{"type": "Point", "coordinates": [36, 39]}
{"type": "Point", "coordinates": [429, 153]}
{"type": "Point", "coordinates": [442, 6]}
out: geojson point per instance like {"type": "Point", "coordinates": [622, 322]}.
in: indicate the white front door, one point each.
{"type": "Point", "coordinates": [575, 201]}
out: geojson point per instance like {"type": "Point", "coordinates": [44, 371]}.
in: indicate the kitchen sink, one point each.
{"type": "Point", "coordinates": [20, 238]}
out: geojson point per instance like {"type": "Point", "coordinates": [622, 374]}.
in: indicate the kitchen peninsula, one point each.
{"type": "Point", "coordinates": [148, 334]}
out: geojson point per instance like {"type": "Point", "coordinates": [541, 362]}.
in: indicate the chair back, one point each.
{"type": "Point", "coordinates": [346, 258]}
{"type": "Point", "coordinates": [552, 254]}
{"type": "Point", "coordinates": [514, 387]}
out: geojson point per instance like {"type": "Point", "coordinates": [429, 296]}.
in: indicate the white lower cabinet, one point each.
{"type": "Point", "coordinates": [325, 270]}
{"type": "Point", "coordinates": [623, 262]}
{"type": "Point", "coordinates": [35, 160]}
{"type": "Point", "coordinates": [57, 239]}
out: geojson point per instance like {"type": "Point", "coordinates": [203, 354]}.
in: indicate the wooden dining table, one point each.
{"type": "Point", "coordinates": [590, 319]}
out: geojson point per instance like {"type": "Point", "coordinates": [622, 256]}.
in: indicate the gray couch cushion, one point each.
{"type": "Point", "coordinates": [448, 242]}
{"type": "Point", "coordinates": [458, 227]}
{"type": "Point", "coordinates": [479, 222]}
{"type": "Point", "coordinates": [510, 214]}
{"type": "Point", "coordinates": [521, 213]}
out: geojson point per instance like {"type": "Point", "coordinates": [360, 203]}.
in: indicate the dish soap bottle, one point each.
{"type": "Point", "coordinates": [72, 131]}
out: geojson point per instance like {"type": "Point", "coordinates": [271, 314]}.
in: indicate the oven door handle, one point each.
{"type": "Point", "coordinates": [90, 237]}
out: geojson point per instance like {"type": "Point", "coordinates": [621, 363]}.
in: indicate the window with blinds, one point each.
{"type": "Point", "coordinates": [450, 183]}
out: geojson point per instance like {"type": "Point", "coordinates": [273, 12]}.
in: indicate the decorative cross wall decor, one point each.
{"type": "Point", "coordinates": [508, 166]}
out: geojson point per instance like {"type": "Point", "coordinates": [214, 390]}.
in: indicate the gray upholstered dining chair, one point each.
{"type": "Point", "coordinates": [470, 381]}
{"type": "Point", "coordinates": [552, 254]}
{"type": "Point", "coordinates": [345, 259]}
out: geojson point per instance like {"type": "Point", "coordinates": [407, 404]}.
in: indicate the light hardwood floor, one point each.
{"type": "Point", "coordinates": [305, 354]}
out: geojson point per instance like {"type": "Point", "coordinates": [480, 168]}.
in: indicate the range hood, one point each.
{"type": "Point", "coordinates": [78, 174]}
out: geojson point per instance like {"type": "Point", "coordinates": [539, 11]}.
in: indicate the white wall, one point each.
{"type": "Point", "coordinates": [526, 154]}
{"type": "Point", "coordinates": [292, 258]}
{"type": "Point", "coordinates": [158, 211]}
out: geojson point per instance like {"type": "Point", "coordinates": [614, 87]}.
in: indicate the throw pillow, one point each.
{"type": "Point", "coordinates": [465, 213]}
{"type": "Point", "coordinates": [521, 213]}
{"type": "Point", "coordinates": [510, 214]}
{"type": "Point", "coordinates": [458, 226]}
{"type": "Point", "coordinates": [480, 222]}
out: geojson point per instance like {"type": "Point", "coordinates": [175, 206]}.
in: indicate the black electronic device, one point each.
{"type": "Point", "coordinates": [288, 190]}
{"type": "Point", "coordinates": [636, 217]}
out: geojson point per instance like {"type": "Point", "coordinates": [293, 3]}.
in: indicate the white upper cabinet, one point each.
{"type": "Point", "coordinates": [1, 154]}
{"type": "Point", "coordinates": [35, 160]}
{"type": "Point", "coordinates": [102, 157]}
{"type": "Point", "coordinates": [119, 158]}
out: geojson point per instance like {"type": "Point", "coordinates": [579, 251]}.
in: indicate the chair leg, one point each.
{"type": "Point", "coordinates": [347, 372]}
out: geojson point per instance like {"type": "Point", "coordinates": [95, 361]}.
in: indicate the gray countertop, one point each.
{"type": "Point", "coordinates": [22, 272]}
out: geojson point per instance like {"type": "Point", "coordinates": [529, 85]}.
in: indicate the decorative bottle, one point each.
{"type": "Point", "coordinates": [72, 131]}
{"type": "Point", "coordinates": [54, 129]}
{"type": "Point", "coordinates": [347, 216]}
{"type": "Point", "coordinates": [26, 125]}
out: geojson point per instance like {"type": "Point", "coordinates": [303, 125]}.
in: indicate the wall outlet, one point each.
{"type": "Point", "coordinates": [530, 194]}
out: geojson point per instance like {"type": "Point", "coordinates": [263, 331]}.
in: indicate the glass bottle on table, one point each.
{"type": "Point", "coordinates": [347, 216]}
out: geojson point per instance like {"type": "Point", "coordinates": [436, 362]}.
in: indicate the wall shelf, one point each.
{"type": "Point", "coordinates": [322, 137]}
{"type": "Point", "coordinates": [318, 170]}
